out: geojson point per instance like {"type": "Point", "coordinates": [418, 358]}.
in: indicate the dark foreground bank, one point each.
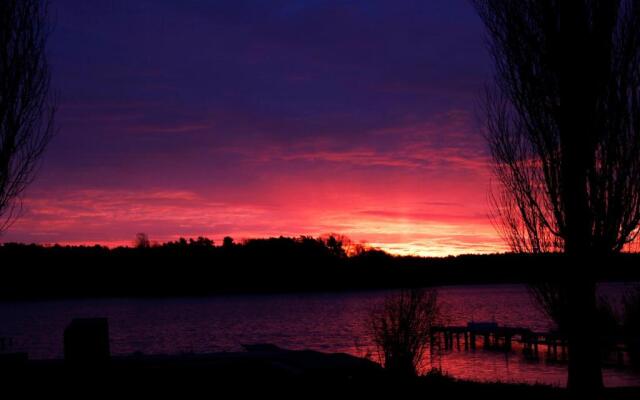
{"type": "Point", "coordinates": [263, 370]}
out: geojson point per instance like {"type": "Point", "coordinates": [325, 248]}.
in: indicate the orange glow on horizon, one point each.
{"type": "Point", "coordinates": [421, 193]}
{"type": "Point", "coordinates": [112, 219]}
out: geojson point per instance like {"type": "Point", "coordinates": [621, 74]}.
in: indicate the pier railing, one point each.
{"type": "Point", "coordinates": [502, 338]}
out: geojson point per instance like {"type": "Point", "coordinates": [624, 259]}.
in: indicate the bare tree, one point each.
{"type": "Point", "coordinates": [142, 241]}
{"type": "Point", "coordinates": [26, 108]}
{"type": "Point", "coordinates": [563, 125]}
{"type": "Point", "coordinates": [401, 329]}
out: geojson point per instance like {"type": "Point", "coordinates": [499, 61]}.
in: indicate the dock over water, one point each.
{"type": "Point", "coordinates": [495, 337]}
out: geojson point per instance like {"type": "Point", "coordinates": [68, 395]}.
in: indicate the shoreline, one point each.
{"type": "Point", "coordinates": [269, 367]}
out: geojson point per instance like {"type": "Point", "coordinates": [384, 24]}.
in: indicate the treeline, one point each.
{"type": "Point", "coordinates": [199, 267]}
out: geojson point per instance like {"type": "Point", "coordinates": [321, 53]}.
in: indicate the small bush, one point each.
{"type": "Point", "coordinates": [401, 327]}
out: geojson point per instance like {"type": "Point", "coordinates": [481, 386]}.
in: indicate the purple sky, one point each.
{"type": "Point", "coordinates": [260, 118]}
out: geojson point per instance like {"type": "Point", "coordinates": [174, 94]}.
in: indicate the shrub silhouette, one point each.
{"type": "Point", "coordinates": [401, 329]}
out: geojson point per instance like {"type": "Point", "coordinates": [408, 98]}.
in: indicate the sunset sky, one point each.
{"type": "Point", "coordinates": [266, 118]}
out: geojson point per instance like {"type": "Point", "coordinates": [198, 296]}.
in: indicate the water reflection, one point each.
{"type": "Point", "coordinates": [326, 322]}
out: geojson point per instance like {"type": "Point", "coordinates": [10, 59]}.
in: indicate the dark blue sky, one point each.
{"type": "Point", "coordinates": [257, 118]}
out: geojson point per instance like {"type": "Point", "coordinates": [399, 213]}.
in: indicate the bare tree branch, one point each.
{"type": "Point", "coordinates": [563, 126]}
{"type": "Point", "coordinates": [27, 109]}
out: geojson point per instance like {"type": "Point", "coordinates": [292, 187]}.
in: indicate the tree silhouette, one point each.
{"type": "Point", "coordinates": [564, 131]}
{"type": "Point", "coordinates": [142, 241]}
{"type": "Point", "coordinates": [227, 242]}
{"type": "Point", "coordinates": [401, 329]}
{"type": "Point", "coordinates": [26, 110]}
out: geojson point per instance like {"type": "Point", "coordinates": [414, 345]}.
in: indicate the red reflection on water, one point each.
{"type": "Point", "coordinates": [331, 322]}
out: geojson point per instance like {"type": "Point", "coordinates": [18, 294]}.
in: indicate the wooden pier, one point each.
{"type": "Point", "coordinates": [495, 337]}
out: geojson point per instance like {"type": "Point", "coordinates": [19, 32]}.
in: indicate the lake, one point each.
{"type": "Point", "coordinates": [330, 322]}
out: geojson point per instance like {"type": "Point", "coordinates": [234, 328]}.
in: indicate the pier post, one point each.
{"type": "Point", "coordinates": [86, 342]}
{"type": "Point", "coordinates": [620, 355]}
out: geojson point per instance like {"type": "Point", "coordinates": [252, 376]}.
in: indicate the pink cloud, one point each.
{"type": "Point", "coordinates": [113, 217]}
{"type": "Point", "coordinates": [419, 188]}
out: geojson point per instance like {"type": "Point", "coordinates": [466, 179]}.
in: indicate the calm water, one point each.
{"type": "Point", "coordinates": [326, 322]}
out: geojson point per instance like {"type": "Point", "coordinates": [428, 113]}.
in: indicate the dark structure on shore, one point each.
{"type": "Point", "coordinates": [86, 342]}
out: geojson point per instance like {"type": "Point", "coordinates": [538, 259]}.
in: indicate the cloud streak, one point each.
{"type": "Point", "coordinates": [253, 119]}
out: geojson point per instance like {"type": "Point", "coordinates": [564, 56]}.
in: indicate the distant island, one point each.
{"type": "Point", "coordinates": [198, 267]}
